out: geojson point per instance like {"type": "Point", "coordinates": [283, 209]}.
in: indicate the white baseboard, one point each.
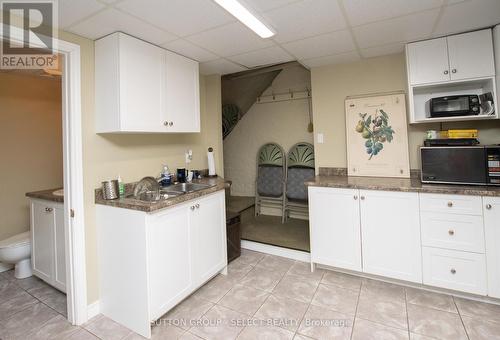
{"type": "Point", "coordinates": [4, 267]}
{"type": "Point", "coordinates": [278, 251]}
{"type": "Point", "coordinates": [93, 310]}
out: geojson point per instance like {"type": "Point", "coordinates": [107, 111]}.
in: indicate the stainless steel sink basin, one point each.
{"type": "Point", "coordinates": [153, 196]}
{"type": "Point", "coordinates": [188, 187]}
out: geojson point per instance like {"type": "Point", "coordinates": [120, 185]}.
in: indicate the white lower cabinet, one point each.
{"type": "Point", "coordinates": [492, 235]}
{"type": "Point", "coordinates": [48, 258]}
{"type": "Point", "coordinates": [149, 263]}
{"type": "Point", "coordinates": [390, 231]}
{"type": "Point", "coordinates": [457, 270]}
{"type": "Point", "coordinates": [334, 227]}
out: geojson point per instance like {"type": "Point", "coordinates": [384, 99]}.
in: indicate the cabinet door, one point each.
{"type": "Point", "coordinates": [42, 240]}
{"type": "Point", "coordinates": [140, 80]}
{"type": "Point", "coordinates": [492, 237]}
{"type": "Point", "coordinates": [169, 259]}
{"type": "Point", "coordinates": [471, 55]}
{"type": "Point", "coordinates": [334, 227]}
{"type": "Point", "coordinates": [428, 61]}
{"type": "Point", "coordinates": [181, 94]}
{"type": "Point", "coordinates": [209, 227]}
{"type": "Point", "coordinates": [390, 230]}
{"type": "Point", "coordinates": [59, 250]}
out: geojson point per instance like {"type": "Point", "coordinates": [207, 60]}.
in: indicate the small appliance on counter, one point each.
{"type": "Point", "coordinates": [463, 164]}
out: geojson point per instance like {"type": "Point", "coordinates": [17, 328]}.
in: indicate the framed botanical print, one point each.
{"type": "Point", "coordinates": [377, 136]}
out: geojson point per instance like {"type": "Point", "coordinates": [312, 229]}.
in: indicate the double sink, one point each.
{"type": "Point", "coordinates": [171, 191]}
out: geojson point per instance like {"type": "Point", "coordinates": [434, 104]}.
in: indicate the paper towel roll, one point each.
{"type": "Point", "coordinates": [211, 162]}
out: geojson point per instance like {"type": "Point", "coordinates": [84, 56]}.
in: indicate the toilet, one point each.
{"type": "Point", "coordinates": [16, 250]}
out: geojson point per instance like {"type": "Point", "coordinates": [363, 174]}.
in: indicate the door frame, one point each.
{"type": "Point", "coordinates": [76, 280]}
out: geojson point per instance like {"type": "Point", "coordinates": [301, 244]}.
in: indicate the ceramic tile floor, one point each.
{"type": "Point", "coordinates": [269, 297]}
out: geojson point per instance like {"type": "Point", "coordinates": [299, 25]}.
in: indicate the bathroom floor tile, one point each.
{"type": "Point", "coordinates": [244, 299]}
{"type": "Point", "coordinates": [275, 263]}
{"type": "Point", "coordinates": [478, 309]}
{"type": "Point", "coordinates": [16, 304]}
{"type": "Point", "coordinates": [27, 321]}
{"type": "Point", "coordinates": [296, 287]}
{"type": "Point", "coordinates": [105, 328]}
{"type": "Point", "coordinates": [188, 312]}
{"type": "Point", "coordinates": [431, 300]}
{"type": "Point", "coordinates": [215, 289]}
{"type": "Point", "coordinates": [304, 269]}
{"type": "Point", "coordinates": [322, 323]}
{"type": "Point", "coordinates": [342, 280]}
{"type": "Point", "coordinates": [336, 298]}
{"type": "Point", "coordinates": [383, 310]}
{"type": "Point", "coordinates": [265, 332]}
{"type": "Point", "coordinates": [435, 323]}
{"type": "Point", "coordinates": [249, 257]}
{"type": "Point", "coordinates": [478, 329]}
{"type": "Point", "coordinates": [368, 330]}
{"type": "Point", "coordinates": [56, 328]}
{"type": "Point", "coordinates": [261, 279]}
{"type": "Point", "coordinates": [288, 313]}
{"type": "Point", "coordinates": [220, 323]}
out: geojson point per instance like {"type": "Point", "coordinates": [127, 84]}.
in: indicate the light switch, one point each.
{"type": "Point", "coordinates": [320, 138]}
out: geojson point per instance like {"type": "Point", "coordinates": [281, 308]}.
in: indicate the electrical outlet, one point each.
{"type": "Point", "coordinates": [320, 138]}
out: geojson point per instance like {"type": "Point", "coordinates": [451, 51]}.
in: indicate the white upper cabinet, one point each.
{"type": "Point", "coordinates": [428, 61]}
{"type": "Point", "coordinates": [471, 55]}
{"type": "Point", "coordinates": [457, 57]}
{"type": "Point", "coordinates": [142, 88]}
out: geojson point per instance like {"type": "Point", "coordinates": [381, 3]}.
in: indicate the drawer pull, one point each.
{"type": "Point", "coordinates": [355, 197]}
{"type": "Point", "coordinates": [488, 206]}
{"type": "Point", "coordinates": [48, 209]}
{"type": "Point", "coordinates": [453, 271]}
{"type": "Point", "coordinates": [192, 207]}
{"type": "Point", "coordinates": [197, 205]}
{"type": "Point", "coordinates": [450, 204]}
{"type": "Point", "coordinates": [451, 232]}
{"type": "Point", "coordinates": [362, 198]}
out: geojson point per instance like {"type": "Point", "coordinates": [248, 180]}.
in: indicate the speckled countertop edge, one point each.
{"type": "Point", "coordinates": [217, 184]}
{"type": "Point", "coordinates": [400, 184]}
{"type": "Point", "coordinates": [47, 195]}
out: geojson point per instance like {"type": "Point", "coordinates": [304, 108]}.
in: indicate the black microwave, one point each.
{"type": "Point", "coordinates": [461, 105]}
{"type": "Point", "coordinates": [474, 165]}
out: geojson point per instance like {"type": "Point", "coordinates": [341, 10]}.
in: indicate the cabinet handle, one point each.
{"type": "Point", "coordinates": [362, 198]}
{"type": "Point", "coordinates": [451, 232]}
{"type": "Point", "coordinates": [171, 123]}
{"type": "Point", "coordinates": [165, 123]}
{"type": "Point", "coordinates": [488, 206]}
{"type": "Point", "coordinates": [445, 72]}
{"type": "Point", "coordinates": [454, 70]}
{"type": "Point", "coordinates": [48, 209]}
{"type": "Point", "coordinates": [355, 197]}
{"type": "Point", "coordinates": [192, 207]}
{"type": "Point", "coordinates": [197, 205]}
{"type": "Point", "coordinates": [453, 271]}
{"type": "Point", "coordinates": [450, 204]}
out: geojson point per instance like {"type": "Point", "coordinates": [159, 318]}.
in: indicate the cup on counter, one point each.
{"type": "Point", "coordinates": [181, 175]}
{"type": "Point", "coordinates": [110, 190]}
{"type": "Point", "coordinates": [432, 134]}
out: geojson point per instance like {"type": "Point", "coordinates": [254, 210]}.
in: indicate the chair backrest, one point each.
{"type": "Point", "coordinates": [270, 170]}
{"type": "Point", "coordinates": [300, 167]}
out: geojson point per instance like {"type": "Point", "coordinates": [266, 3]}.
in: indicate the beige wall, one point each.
{"type": "Point", "coordinates": [331, 84]}
{"type": "Point", "coordinates": [135, 156]}
{"type": "Point", "coordinates": [284, 123]}
{"type": "Point", "coordinates": [30, 145]}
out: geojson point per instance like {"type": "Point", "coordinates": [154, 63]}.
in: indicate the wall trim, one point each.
{"type": "Point", "coordinates": [93, 309]}
{"type": "Point", "coordinates": [278, 251]}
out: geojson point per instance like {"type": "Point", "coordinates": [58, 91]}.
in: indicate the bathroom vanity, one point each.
{"type": "Point", "coordinates": [153, 255]}
{"type": "Point", "coordinates": [47, 237]}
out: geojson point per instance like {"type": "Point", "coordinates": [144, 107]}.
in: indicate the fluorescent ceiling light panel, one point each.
{"type": "Point", "coordinates": [246, 17]}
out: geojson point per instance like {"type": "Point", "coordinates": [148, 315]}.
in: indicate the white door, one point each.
{"type": "Point", "coordinates": [471, 55]}
{"type": "Point", "coordinates": [390, 230]}
{"type": "Point", "coordinates": [209, 227]}
{"type": "Point", "coordinates": [140, 85]}
{"type": "Point", "coordinates": [492, 237]}
{"type": "Point", "coordinates": [59, 251]}
{"type": "Point", "coordinates": [428, 61]}
{"type": "Point", "coordinates": [42, 240]}
{"type": "Point", "coordinates": [334, 227]}
{"type": "Point", "coordinates": [169, 259]}
{"type": "Point", "coordinates": [181, 94]}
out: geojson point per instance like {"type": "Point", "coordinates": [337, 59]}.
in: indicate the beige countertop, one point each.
{"type": "Point", "coordinates": [47, 195]}
{"type": "Point", "coordinates": [400, 184]}
{"type": "Point", "coordinates": [216, 183]}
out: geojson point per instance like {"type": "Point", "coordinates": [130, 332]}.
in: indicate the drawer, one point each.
{"type": "Point", "coordinates": [454, 204]}
{"type": "Point", "coordinates": [451, 231]}
{"type": "Point", "coordinates": [455, 270]}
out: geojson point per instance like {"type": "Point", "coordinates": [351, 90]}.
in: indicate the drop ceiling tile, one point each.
{"type": "Point", "coordinates": [364, 11]}
{"type": "Point", "coordinates": [266, 5]}
{"type": "Point", "coordinates": [321, 45]}
{"type": "Point", "coordinates": [305, 19]}
{"type": "Point", "coordinates": [382, 50]}
{"type": "Point", "coordinates": [181, 17]}
{"type": "Point", "coordinates": [220, 66]}
{"type": "Point", "coordinates": [71, 11]}
{"type": "Point", "coordinates": [468, 15]}
{"type": "Point", "coordinates": [266, 56]}
{"type": "Point", "coordinates": [332, 59]}
{"type": "Point", "coordinates": [112, 20]}
{"type": "Point", "coordinates": [189, 50]}
{"type": "Point", "coordinates": [229, 40]}
{"type": "Point", "coordinates": [408, 28]}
